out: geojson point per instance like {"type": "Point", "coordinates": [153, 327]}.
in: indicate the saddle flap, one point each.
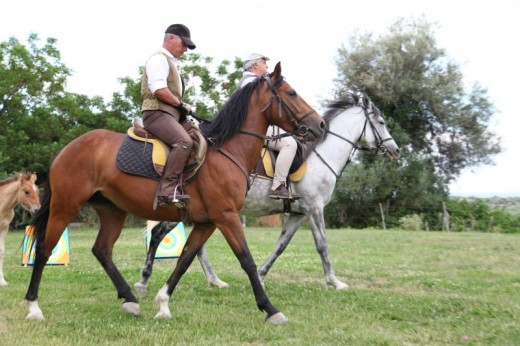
{"type": "Point", "coordinates": [268, 157]}
{"type": "Point", "coordinates": [160, 151]}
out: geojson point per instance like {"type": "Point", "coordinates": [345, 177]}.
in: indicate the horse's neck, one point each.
{"type": "Point", "coordinates": [246, 147]}
{"type": "Point", "coordinates": [334, 150]}
{"type": "Point", "coordinates": [8, 198]}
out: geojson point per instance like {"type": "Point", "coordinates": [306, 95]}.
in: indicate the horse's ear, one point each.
{"type": "Point", "coordinates": [33, 178]}
{"type": "Point", "coordinates": [277, 70]}
{"type": "Point", "coordinates": [366, 100]}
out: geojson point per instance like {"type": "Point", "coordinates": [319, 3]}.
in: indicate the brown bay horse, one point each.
{"type": "Point", "coordinates": [85, 171]}
{"type": "Point", "coordinates": [19, 189]}
{"type": "Point", "coordinates": [352, 125]}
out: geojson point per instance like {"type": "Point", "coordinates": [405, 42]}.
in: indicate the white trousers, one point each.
{"type": "Point", "coordinates": [286, 148]}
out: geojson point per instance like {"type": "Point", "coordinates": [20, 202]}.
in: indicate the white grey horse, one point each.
{"type": "Point", "coordinates": [352, 125]}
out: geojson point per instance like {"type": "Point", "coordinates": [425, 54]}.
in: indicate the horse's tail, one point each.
{"type": "Point", "coordinates": [41, 217]}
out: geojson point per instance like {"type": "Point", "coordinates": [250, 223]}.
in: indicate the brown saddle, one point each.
{"type": "Point", "coordinates": [161, 150]}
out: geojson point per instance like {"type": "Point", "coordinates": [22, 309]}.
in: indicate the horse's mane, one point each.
{"type": "Point", "coordinates": [9, 180]}
{"type": "Point", "coordinates": [333, 109]}
{"type": "Point", "coordinates": [337, 106]}
{"type": "Point", "coordinates": [231, 116]}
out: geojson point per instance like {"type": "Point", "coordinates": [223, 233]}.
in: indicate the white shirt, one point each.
{"type": "Point", "coordinates": [247, 77]}
{"type": "Point", "coordinates": [157, 70]}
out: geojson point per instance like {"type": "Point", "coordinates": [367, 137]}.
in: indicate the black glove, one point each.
{"type": "Point", "coordinates": [184, 108]}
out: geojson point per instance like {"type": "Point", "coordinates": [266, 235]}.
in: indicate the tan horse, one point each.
{"type": "Point", "coordinates": [19, 189]}
{"type": "Point", "coordinates": [85, 171]}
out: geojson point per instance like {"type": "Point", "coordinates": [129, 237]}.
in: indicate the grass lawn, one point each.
{"type": "Point", "coordinates": [406, 288]}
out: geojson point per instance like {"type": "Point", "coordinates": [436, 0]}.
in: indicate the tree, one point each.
{"type": "Point", "coordinates": [441, 128]}
{"type": "Point", "coordinates": [413, 82]}
{"type": "Point", "coordinates": [207, 90]}
{"type": "Point", "coordinates": [37, 115]}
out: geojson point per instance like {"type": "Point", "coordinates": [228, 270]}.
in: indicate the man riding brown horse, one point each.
{"type": "Point", "coordinates": [162, 89]}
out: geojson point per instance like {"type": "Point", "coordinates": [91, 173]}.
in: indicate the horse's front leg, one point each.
{"type": "Point", "coordinates": [111, 220]}
{"type": "Point", "coordinates": [317, 224]}
{"type": "Point", "coordinates": [158, 232]}
{"type": "Point", "coordinates": [231, 228]}
{"type": "Point", "coordinates": [210, 273]}
{"type": "Point", "coordinates": [198, 236]}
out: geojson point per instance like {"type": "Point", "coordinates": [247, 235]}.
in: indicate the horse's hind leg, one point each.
{"type": "Point", "coordinates": [317, 223]}
{"type": "Point", "coordinates": [158, 232]}
{"type": "Point", "coordinates": [289, 229]}
{"type": "Point", "coordinates": [111, 220]}
{"type": "Point", "coordinates": [210, 273]}
{"type": "Point", "coordinates": [53, 230]}
{"type": "Point", "coordinates": [2, 251]}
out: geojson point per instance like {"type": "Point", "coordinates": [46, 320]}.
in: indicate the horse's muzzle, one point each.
{"type": "Point", "coordinates": [312, 133]}
{"type": "Point", "coordinates": [391, 155]}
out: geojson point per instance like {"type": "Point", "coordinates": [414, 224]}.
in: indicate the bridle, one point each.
{"type": "Point", "coordinates": [301, 130]}
{"type": "Point", "coordinates": [380, 148]}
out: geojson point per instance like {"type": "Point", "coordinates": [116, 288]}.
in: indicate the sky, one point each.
{"type": "Point", "coordinates": [104, 40]}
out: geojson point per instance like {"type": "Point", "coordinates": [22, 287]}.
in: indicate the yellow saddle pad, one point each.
{"type": "Point", "coordinates": [159, 152]}
{"type": "Point", "coordinates": [269, 167]}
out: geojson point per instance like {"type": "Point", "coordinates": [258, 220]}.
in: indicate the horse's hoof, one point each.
{"type": "Point", "coordinates": [131, 308]}
{"type": "Point", "coordinates": [163, 314]}
{"type": "Point", "coordinates": [35, 316]}
{"type": "Point", "coordinates": [3, 283]}
{"type": "Point", "coordinates": [341, 286]}
{"type": "Point", "coordinates": [35, 313]}
{"type": "Point", "coordinates": [277, 318]}
{"type": "Point", "coordinates": [218, 283]}
{"type": "Point", "coordinates": [338, 285]}
{"type": "Point", "coordinates": [140, 288]}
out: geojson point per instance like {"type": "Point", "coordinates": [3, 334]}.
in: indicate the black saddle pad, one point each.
{"type": "Point", "coordinates": [135, 157]}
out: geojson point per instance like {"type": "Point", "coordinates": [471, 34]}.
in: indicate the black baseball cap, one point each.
{"type": "Point", "coordinates": [183, 32]}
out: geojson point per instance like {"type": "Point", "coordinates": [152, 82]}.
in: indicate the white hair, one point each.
{"type": "Point", "coordinates": [249, 64]}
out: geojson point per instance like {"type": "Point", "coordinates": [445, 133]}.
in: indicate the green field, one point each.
{"type": "Point", "coordinates": [406, 288]}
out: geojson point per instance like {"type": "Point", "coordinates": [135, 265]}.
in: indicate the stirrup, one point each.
{"type": "Point", "coordinates": [179, 200]}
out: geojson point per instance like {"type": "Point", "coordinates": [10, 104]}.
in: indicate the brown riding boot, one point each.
{"type": "Point", "coordinates": [170, 192]}
{"type": "Point", "coordinates": [281, 192]}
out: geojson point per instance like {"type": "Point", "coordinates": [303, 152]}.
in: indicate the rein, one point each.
{"type": "Point", "coordinates": [301, 130]}
{"type": "Point", "coordinates": [378, 149]}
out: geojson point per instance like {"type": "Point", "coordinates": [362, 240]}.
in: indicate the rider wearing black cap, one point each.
{"type": "Point", "coordinates": [162, 89]}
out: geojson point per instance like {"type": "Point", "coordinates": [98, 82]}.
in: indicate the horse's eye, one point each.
{"type": "Point", "coordinates": [292, 93]}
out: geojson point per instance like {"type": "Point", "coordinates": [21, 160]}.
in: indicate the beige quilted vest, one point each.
{"type": "Point", "coordinates": [150, 102]}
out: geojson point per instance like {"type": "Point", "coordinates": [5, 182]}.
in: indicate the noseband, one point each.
{"type": "Point", "coordinates": [301, 130]}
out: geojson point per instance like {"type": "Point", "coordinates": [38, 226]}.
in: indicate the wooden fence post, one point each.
{"type": "Point", "coordinates": [382, 215]}
{"type": "Point", "coordinates": [445, 218]}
